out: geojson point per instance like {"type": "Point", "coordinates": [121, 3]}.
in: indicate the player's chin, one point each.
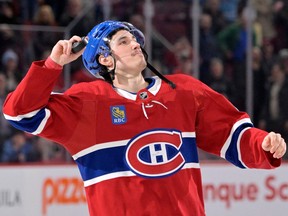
{"type": "Point", "coordinates": [143, 64]}
{"type": "Point", "coordinates": [140, 61]}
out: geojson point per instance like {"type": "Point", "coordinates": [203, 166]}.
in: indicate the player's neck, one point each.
{"type": "Point", "coordinates": [131, 84]}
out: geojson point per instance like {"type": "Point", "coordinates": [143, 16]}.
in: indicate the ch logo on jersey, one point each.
{"type": "Point", "coordinates": [155, 153]}
{"type": "Point", "coordinates": [118, 114]}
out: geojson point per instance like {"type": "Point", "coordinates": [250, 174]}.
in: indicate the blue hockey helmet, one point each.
{"type": "Point", "coordinates": [98, 43]}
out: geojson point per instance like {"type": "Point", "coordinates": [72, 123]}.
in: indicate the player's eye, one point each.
{"type": "Point", "coordinates": [123, 42]}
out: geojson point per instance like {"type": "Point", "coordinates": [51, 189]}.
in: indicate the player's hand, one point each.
{"type": "Point", "coordinates": [275, 144]}
{"type": "Point", "coordinates": [61, 52]}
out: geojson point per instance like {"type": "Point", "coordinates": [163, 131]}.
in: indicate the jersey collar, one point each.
{"type": "Point", "coordinates": [153, 88]}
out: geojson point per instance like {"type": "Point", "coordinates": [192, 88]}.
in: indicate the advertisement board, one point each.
{"type": "Point", "coordinates": [42, 190]}
{"type": "Point", "coordinates": [230, 191]}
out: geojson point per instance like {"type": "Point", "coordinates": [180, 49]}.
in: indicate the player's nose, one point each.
{"type": "Point", "coordinates": [135, 44]}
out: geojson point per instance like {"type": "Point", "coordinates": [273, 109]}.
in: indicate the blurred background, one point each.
{"type": "Point", "coordinates": [237, 47]}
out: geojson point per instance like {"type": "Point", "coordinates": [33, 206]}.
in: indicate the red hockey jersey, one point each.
{"type": "Point", "coordinates": [137, 153]}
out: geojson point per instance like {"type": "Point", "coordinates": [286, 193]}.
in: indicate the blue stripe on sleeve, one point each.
{"type": "Point", "coordinates": [232, 151]}
{"type": "Point", "coordinates": [29, 124]}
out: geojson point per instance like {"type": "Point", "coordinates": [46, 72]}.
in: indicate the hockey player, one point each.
{"type": "Point", "coordinates": [135, 139]}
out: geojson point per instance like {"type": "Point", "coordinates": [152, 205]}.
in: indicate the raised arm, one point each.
{"type": "Point", "coordinates": [33, 106]}
{"type": "Point", "coordinates": [62, 52]}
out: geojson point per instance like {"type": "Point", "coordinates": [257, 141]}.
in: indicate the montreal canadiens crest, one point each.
{"type": "Point", "coordinates": [155, 153]}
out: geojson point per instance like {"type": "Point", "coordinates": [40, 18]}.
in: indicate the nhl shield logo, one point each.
{"type": "Point", "coordinates": [118, 114]}
{"type": "Point", "coordinates": [143, 95]}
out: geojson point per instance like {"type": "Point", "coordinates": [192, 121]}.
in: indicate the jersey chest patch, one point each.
{"type": "Point", "coordinates": [118, 114]}
{"type": "Point", "coordinates": [155, 153]}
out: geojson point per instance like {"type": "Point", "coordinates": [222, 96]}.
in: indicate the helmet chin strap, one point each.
{"type": "Point", "coordinates": [156, 72]}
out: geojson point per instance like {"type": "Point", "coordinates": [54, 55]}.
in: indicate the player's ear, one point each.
{"type": "Point", "coordinates": [106, 61]}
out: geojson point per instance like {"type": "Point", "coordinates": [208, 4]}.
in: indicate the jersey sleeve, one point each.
{"type": "Point", "coordinates": [33, 108]}
{"type": "Point", "coordinates": [223, 130]}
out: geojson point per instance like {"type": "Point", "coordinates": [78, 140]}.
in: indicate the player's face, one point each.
{"type": "Point", "coordinates": [127, 52]}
